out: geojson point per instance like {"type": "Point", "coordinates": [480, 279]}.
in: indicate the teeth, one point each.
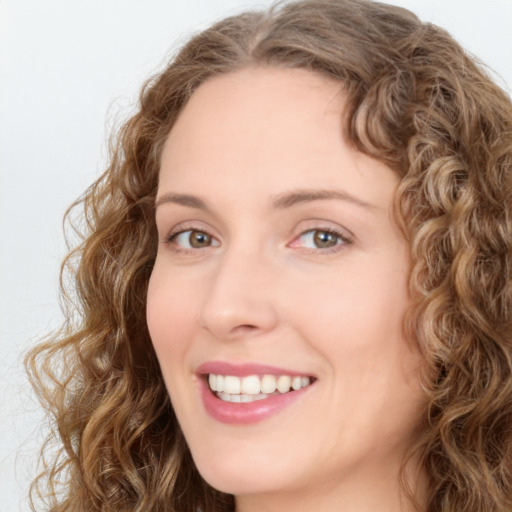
{"type": "Point", "coordinates": [268, 384]}
{"type": "Point", "coordinates": [220, 383]}
{"type": "Point", "coordinates": [296, 383]}
{"type": "Point", "coordinates": [212, 381]}
{"type": "Point", "coordinates": [232, 385]}
{"type": "Point", "coordinates": [241, 398]}
{"type": "Point", "coordinates": [283, 383]}
{"type": "Point", "coordinates": [253, 387]}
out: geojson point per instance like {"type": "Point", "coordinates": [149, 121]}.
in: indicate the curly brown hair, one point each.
{"type": "Point", "coordinates": [417, 102]}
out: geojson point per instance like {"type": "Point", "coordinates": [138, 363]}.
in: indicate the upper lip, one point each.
{"type": "Point", "coordinates": [245, 369]}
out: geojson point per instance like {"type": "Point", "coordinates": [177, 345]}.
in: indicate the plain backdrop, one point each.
{"type": "Point", "coordinates": [69, 70]}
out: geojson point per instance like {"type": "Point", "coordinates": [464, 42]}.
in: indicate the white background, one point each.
{"type": "Point", "coordinates": [68, 70]}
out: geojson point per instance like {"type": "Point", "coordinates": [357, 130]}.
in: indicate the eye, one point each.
{"type": "Point", "coordinates": [319, 239]}
{"type": "Point", "coordinates": [192, 239]}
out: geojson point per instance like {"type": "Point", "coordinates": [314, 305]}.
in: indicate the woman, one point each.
{"type": "Point", "coordinates": [295, 291]}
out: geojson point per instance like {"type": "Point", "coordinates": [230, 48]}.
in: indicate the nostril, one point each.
{"type": "Point", "coordinates": [242, 330]}
{"type": "Point", "coordinates": [246, 327]}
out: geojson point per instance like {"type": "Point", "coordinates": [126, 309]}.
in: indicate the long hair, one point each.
{"type": "Point", "coordinates": [417, 102]}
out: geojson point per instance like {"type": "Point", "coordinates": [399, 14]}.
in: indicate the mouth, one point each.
{"type": "Point", "coordinates": [249, 393]}
{"type": "Point", "coordinates": [251, 388]}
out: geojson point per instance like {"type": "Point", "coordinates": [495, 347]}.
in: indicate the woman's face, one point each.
{"type": "Point", "coordinates": [279, 265]}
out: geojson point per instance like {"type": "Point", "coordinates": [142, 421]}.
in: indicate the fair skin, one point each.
{"type": "Point", "coordinates": [277, 247]}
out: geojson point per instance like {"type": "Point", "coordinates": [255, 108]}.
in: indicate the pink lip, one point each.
{"type": "Point", "coordinates": [243, 370]}
{"type": "Point", "coordinates": [249, 412]}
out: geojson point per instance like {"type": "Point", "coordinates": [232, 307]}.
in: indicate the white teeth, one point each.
{"type": "Point", "coordinates": [232, 385]}
{"type": "Point", "coordinates": [268, 384]}
{"type": "Point", "coordinates": [283, 383]}
{"type": "Point", "coordinates": [253, 387]}
{"type": "Point", "coordinates": [212, 381]}
{"type": "Point", "coordinates": [241, 398]}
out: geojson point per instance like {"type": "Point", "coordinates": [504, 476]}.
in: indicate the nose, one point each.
{"type": "Point", "coordinates": [239, 297]}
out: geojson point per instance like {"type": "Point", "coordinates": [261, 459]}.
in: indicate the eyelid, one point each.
{"type": "Point", "coordinates": [322, 225]}
{"type": "Point", "coordinates": [344, 235]}
{"type": "Point", "coordinates": [185, 226]}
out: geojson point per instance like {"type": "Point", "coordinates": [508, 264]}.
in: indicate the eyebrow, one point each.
{"type": "Point", "coordinates": [280, 201]}
{"type": "Point", "coordinates": [289, 199]}
{"type": "Point", "coordinates": [183, 200]}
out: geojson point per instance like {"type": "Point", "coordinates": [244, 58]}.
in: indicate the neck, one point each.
{"type": "Point", "coordinates": [368, 490]}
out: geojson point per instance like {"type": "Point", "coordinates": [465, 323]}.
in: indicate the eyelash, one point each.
{"type": "Point", "coordinates": [341, 240]}
{"type": "Point", "coordinates": [172, 237]}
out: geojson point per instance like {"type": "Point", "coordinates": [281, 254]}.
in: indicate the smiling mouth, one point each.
{"type": "Point", "coordinates": [251, 388]}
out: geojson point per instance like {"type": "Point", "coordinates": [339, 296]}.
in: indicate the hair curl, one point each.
{"type": "Point", "coordinates": [417, 102]}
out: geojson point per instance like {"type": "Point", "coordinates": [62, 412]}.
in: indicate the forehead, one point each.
{"type": "Point", "coordinates": [241, 108]}
{"type": "Point", "coordinates": [271, 128]}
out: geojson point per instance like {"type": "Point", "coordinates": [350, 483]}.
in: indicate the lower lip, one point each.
{"type": "Point", "coordinates": [247, 412]}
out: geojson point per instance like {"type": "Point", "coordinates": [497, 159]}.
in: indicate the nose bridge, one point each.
{"type": "Point", "coordinates": [239, 295]}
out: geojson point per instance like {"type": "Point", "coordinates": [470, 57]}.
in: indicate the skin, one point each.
{"type": "Point", "coordinates": [259, 290]}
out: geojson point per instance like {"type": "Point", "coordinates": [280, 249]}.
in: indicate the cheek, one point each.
{"type": "Point", "coordinates": [170, 311]}
{"type": "Point", "coordinates": [355, 320]}
{"type": "Point", "coordinates": [354, 305]}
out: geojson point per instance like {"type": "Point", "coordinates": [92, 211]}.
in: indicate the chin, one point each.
{"type": "Point", "coordinates": [240, 475]}
{"type": "Point", "coordinates": [238, 482]}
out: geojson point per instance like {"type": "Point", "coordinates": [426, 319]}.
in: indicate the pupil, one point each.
{"type": "Point", "coordinates": [198, 239]}
{"type": "Point", "coordinates": [325, 239]}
